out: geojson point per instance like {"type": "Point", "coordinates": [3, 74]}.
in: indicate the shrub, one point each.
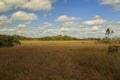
{"type": "Point", "coordinates": [113, 49]}
{"type": "Point", "coordinates": [8, 41]}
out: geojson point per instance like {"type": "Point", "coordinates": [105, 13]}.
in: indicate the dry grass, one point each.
{"type": "Point", "coordinates": [59, 60]}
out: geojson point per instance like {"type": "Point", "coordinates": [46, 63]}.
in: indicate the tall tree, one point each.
{"type": "Point", "coordinates": [109, 32]}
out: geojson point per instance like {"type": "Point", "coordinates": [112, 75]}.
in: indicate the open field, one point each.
{"type": "Point", "coordinates": [59, 60]}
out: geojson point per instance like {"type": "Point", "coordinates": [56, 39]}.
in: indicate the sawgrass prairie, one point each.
{"type": "Point", "coordinates": [59, 60]}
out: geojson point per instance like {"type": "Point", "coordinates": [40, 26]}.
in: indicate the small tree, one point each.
{"type": "Point", "coordinates": [109, 32]}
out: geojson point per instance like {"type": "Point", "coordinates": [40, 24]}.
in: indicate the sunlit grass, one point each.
{"type": "Point", "coordinates": [59, 60]}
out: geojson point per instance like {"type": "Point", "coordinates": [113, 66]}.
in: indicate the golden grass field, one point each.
{"type": "Point", "coordinates": [59, 60]}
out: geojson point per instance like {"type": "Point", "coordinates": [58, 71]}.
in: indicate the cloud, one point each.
{"type": "Point", "coordinates": [4, 19]}
{"type": "Point", "coordinates": [75, 32]}
{"type": "Point", "coordinates": [21, 15]}
{"type": "Point", "coordinates": [46, 24]}
{"type": "Point", "coordinates": [6, 5]}
{"type": "Point", "coordinates": [35, 5]}
{"type": "Point", "coordinates": [22, 26]}
{"type": "Point", "coordinates": [97, 20]}
{"type": "Point", "coordinates": [3, 7]}
{"type": "Point", "coordinates": [66, 18]}
{"type": "Point", "coordinates": [28, 22]}
{"type": "Point", "coordinates": [95, 28]}
{"type": "Point", "coordinates": [39, 5]}
{"type": "Point", "coordinates": [7, 30]}
{"type": "Point", "coordinates": [69, 24]}
{"type": "Point", "coordinates": [14, 3]}
{"type": "Point", "coordinates": [114, 3]}
{"type": "Point", "coordinates": [80, 32]}
{"type": "Point", "coordinates": [67, 21]}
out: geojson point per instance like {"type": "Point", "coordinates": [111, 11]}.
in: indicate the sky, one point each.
{"type": "Point", "coordinates": [77, 18]}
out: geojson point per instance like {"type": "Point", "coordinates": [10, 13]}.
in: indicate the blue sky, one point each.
{"type": "Point", "coordinates": [77, 18]}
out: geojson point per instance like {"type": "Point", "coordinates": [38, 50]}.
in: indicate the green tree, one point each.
{"type": "Point", "coordinates": [109, 32]}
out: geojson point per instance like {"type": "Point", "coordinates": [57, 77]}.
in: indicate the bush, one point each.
{"type": "Point", "coordinates": [8, 41]}
{"type": "Point", "coordinates": [113, 49]}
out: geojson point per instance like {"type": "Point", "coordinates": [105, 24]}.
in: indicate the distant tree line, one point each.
{"type": "Point", "coordinates": [22, 37]}
{"type": "Point", "coordinates": [46, 38]}
{"type": "Point", "coordinates": [58, 37]}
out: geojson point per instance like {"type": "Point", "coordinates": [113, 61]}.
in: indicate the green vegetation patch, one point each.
{"type": "Point", "coordinates": [8, 41]}
{"type": "Point", "coordinates": [58, 37]}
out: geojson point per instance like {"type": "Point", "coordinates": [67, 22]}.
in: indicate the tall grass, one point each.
{"type": "Point", "coordinates": [59, 60]}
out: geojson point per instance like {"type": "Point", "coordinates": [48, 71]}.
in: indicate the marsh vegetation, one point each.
{"type": "Point", "coordinates": [59, 60]}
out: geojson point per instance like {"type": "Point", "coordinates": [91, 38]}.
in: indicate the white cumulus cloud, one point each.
{"type": "Point", "coordinates": [114, 3]}
{"type": "Point", "coordinates": [46, 24]}
{"type": "Point", "coordinates": [4, 19]}
{"type": "Point", "coordinates": [39, 4]}
{"type": "Point", "coordinates": [66, 18]}
{"type": "Point", "coordinates": [95, 28]}
{"type": "Point", "coordinates": [69, 24]}
{"type": "Point", "coordinates": [97, 20]}
{"type": "Point", "coordinates": [44, 5]}
{"type": "Point", "coordinates": [22, 26]}
{"type": "Point", "coordinates": [21, 15]}
{"type": "Point", "coordinates": [3, 7]}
